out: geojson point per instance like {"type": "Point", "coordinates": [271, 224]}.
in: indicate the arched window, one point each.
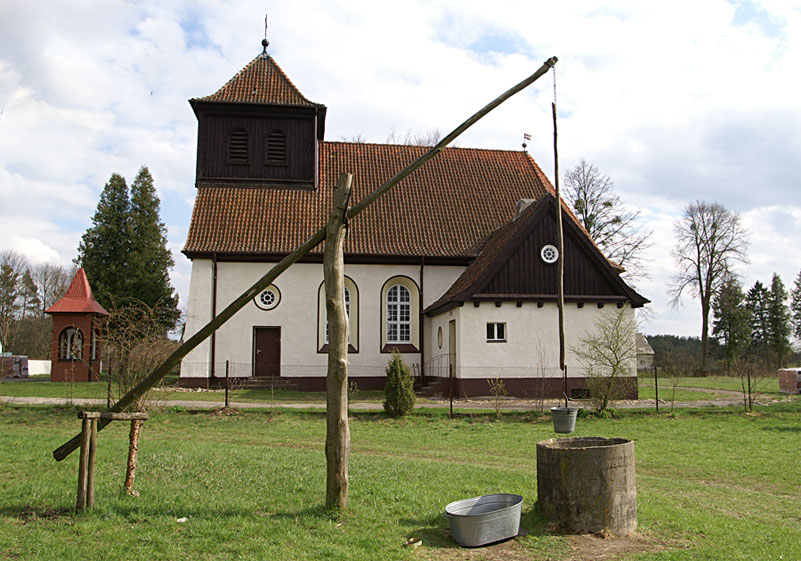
{"type": "Point", "coordinates": [400, 315]}
{"type": "Point", "coordinates": [347, 315]}
{"type": "Point", "coordinates": [351, 311]}
{"type": "Point", "coordinates": [238, 147]}
{"type": "Point", "coordinates": [70, 344]}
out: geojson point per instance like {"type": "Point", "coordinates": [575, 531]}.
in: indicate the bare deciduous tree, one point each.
{"type": "Point", "coordinates": [609, 356]}
{"type": "Point", "coordinates": [429, 137]}
{"type": "Point", "coordinates": [135, 344]}
{"type": "Point", "coordinates": [612, 226]}
{"type": "Point", "coordinates": [709, 239]}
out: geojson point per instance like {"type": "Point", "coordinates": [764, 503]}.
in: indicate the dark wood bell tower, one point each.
{"type": "Point", "coordinates": [258, 130]}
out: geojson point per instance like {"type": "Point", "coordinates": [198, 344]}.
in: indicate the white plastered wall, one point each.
{"type": "Point", "coordinates": [297, 315]}
{"type": "Point", "coordinates": [531, 333]}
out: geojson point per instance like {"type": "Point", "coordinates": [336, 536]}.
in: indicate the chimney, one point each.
{"type": "Point", "coordinates": [522, 205]}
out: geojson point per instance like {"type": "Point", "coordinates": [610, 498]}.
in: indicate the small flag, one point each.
{"type": "Point", "coordinates": [526, 136]}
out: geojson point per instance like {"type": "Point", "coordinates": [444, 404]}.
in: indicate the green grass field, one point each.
{"type": "Point", "coordinates": [714, 484]}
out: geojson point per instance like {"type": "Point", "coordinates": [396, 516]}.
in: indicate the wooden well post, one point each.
{"type": "Point", "coordinates": [88, 457]}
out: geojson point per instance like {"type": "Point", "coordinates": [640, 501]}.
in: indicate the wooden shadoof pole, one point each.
{"type": "Point", "coordinates": [172, 361]}
{"type": "Point", "coordinates": [337, 438]}
{"type": "Point", "coordinates": [560, 285]}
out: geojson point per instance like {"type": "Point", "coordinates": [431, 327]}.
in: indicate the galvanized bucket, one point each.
{"type": "Point", "coordinates": [564, 419]}
{"type": "Point", "coordinates": [485, 519]}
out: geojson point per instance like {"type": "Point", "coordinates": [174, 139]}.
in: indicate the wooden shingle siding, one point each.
{"type": "Point", "coordinates": [526, 273]}
{"type": "Point", "coordinates": [222, 137]}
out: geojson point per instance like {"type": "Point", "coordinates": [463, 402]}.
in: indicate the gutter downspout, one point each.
{"type": "Point", "coordinates": [213, 315]}
{"type": "Point", "coordinates": [422, 322]}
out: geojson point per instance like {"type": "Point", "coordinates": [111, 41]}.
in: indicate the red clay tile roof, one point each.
{"type": "Point", "coordinates": [261, 81]}
{"type": "Point", "coordinates": [444, 209]}
{"type": "Point", "coordinates": [490, 249]}
{"type": "Point", "coordinates": [78, 298]}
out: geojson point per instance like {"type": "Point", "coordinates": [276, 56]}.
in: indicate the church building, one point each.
{"type": "Point", "coordinates": [454, 268]}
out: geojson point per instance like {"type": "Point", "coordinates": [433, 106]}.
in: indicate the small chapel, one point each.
{"type": "Point", "coordinates": [75, 350]}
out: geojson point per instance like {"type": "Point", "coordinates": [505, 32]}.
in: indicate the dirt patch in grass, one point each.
{"type": "Point", "coordinates": [224, 412]}
{"type": "Point", "coordinates": [509, 550]}
{"type": "Point", "coordinates": [600, 547]}
{"type": "Point", "coordinates": [29, 514]}
{"type": "Point", "coordinates": [586, 547]}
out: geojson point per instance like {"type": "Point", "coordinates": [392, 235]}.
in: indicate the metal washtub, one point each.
{"type": "Point", "coordinates": [485, 519]}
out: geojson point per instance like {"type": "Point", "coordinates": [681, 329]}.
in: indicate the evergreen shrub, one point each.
{"type": "Point", "coordinates": [399, 392]}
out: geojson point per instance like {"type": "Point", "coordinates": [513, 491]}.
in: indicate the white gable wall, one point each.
{"type": "Point", "coordinates": [528, 329]}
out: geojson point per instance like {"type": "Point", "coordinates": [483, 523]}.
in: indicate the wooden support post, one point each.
{"type": "Point", "coordinates": [83, 464]}
{"type": "Point", "coordinates": [133, 451]}
{"type": "Point", "coordinates": [175, 358]}
{"type": "Point", "coordinates": [90, 476]}
{"type": "Point", "coordinates": [337, 439]}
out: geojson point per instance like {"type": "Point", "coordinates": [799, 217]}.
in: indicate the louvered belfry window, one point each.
{"type": "Point", "coordinates": [238, 147]}
{"type": "Point", "coordinates": [276, 148]}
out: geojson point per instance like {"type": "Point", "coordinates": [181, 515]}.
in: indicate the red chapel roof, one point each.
{"type": "Point", "coordinates": [78, 298]}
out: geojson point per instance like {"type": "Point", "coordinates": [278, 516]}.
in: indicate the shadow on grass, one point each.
{"type": "Point", "coordinates": [29, 513]}
{"type": "Point", "coordinates": [136, 512]}
{"type": "Point", "coordinates": [782, 429]}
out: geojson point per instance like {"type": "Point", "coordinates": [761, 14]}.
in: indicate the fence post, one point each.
{"type": "Point", "coordinates": [108, 388]}
{"type": "Point", "coordinates": [450, 385]}
{"type": "Point", "coordinates": [227, 386]}
{"type": "Point", "coordinates": [656, 388]}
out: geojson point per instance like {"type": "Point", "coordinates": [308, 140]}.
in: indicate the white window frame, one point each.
{"type": "Point", "coordinates": [399, 315]}
{"type": "Point", "coordinates": [493, 332]}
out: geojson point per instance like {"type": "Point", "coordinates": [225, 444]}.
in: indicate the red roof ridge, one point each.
{"type": "Point", "coordinates": [428, 147]}
{"type": "Point", "coordinates": [78, 298]}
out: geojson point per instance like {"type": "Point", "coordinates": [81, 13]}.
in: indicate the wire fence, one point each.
{"type": "Point", "coordinates": [233, 384]}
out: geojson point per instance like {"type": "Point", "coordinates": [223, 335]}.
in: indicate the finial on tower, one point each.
{"type": "Point", "coordinates": [264, 42]}
{"type": "Point", "coordinates": [526, 137]}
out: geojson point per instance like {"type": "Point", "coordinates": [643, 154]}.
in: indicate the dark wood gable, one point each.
{"type": "Point", "coordinates": [510, 266]}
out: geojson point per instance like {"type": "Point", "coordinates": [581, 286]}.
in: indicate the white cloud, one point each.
{"type": "Point", "coordinates": [675, 101]}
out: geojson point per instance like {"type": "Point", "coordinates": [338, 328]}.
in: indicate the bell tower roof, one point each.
{"type": "Point", "coordinates": [262, 81]}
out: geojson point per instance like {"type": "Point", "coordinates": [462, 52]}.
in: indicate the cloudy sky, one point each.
{"type": "Point", "coordinates": [675, 101]}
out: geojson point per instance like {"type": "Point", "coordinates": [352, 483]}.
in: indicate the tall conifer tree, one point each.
{"type": "Point", "coordinates": [757, 303]}
{"type": "Point", "coordinates": [124, 252]}
{"type": "Point", "coordinates": [795, 307]}
{"type": "Point", "coordinates": [732, 324]}
{"type": "Point", "coordinates": [778, 321]}
{"type": "Point", "coordinates": [150, 259]}
{"type": "Point", "coordinates": [106, 245]}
